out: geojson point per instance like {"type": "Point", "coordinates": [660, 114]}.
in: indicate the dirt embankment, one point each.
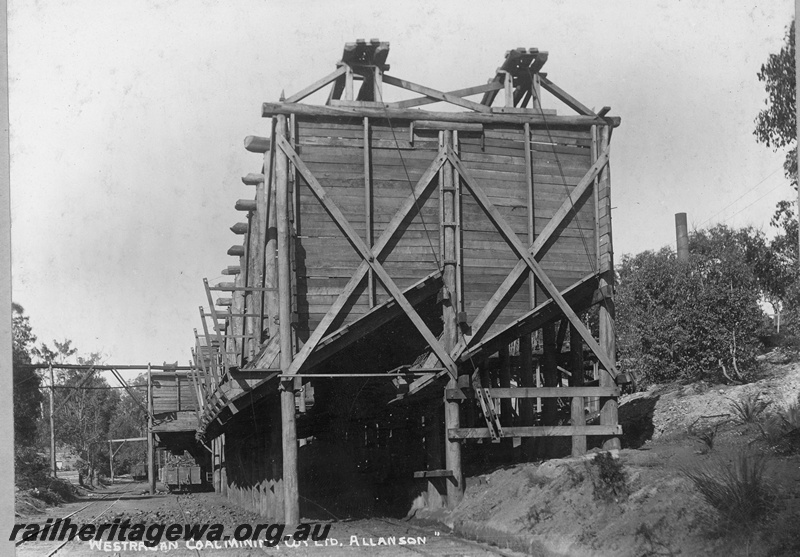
{"type": "Point", "coordinates": [642, 503]}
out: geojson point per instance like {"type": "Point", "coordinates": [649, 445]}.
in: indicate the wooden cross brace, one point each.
{"type": "Point", "coordinates": [527, 259]}
{"type": "Point", "coordinates": [369, 258]}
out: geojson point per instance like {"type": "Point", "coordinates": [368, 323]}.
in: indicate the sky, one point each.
{"type": "Point", "coordinates": [127, 122]}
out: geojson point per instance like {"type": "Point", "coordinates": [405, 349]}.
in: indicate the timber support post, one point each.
{"type": "Point", "coordinates": [288, 424]}
{"type": "Point", "coordinates": [53, 465]}
{"type": "Point", "coordinates": [151, 473]}
{"type": "Point", "coordinates": [609, 407]}
{"type": "Point", "coordinates": [452, 408]}
{"type": "Point", "coordinates": [577, 380]}
{"type": "Point", "coordinates": [550, 378]}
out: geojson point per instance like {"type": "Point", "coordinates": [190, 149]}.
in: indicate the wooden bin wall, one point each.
{"type": "Point", "coordinates": [173, 393]}
{"type": "Point", "coordinates": [333, 150]}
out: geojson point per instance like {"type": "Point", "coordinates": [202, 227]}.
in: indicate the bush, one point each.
{"type": "Point", "coordinates": [781, 431]}
{"type": "Point", "coordinates": [691, 320]}
{"type": "Point", "coordinates": [749, 408]}
{"type": "Point", "coordinates": [610, 484]}
{"type": "Point", "coordinates": [62, 488]}
{"type": "Point", "coordinates": [31, 469]}
{"type": "Point", "coordinates": [738, 492]}
{"type": "Point", "coordinates": [706, 434]}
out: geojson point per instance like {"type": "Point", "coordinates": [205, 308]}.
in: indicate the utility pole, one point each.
{"type": "Point", "coordinates": [151, 474]}
{"type": "Point", "coordinates": [53, 465]}
{"type": "Point", "coordinates": [111, 459]}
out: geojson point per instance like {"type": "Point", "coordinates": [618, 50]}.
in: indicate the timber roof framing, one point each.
{"type": "Point", "coordinates": [519, 76]}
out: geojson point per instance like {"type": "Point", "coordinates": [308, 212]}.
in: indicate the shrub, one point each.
{"type": "Point", "coordinates": [738, 492]}
{"type": "Point", "coordinates": [781, 431]}
{"type": "Point", "coordinates": [610, 483]}
{"type": "Point", "coordinates": [62, 488]}
{"type": "Point", "coordinates": [705, 434]}
{"type": "Point", "coordinates": [47, 496]}
{"type": "Point", "coordinates": [31, 468]}
{"type": "Point", "coordinates": [749, 408]}
{"type": "Point", "coordinates": [689, 320]}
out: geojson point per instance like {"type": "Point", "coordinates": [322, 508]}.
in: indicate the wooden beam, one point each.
{"type": "Point", "coordinates": [452, 410]}
{"type": "Point", "coordinates": [419, 101]}
{"type": "Point", "coordinates": [253, 179]}
{"type": "Point", "coordinates": [410, 114]}
{"type": "Point", "coordinates": [239, 228]}
{"type": "Point", "coordinates": [434, 94]}
{"type": "Point", "coordinates": [536, 431]}
{"type": "Point", "coordinates": [245, 205]}
{"type": "Point", "coordinates": [535, 392]}
{"type": "Point", "coordinates": [288, 420]}
{"type": "Point", "coordinates": [522, 252]}
{"type": "Point", "coordinates": [433, 474]}
{"type": "Point", "coordinates": [317, 85]}
{"type": "Point", "coordinates": [539, 61]}
{"type": "Point", "coordinates": [236, 251]}
{"type": "Point", "coordinates": [256, 144]}
{"type": "Point", "coordinates": [578, 415]}
{"type": "Point", "coordinates": [368, 209]}
{"type": "Point", "coordinates": [151, 473]}
{"type": "Point", "coordinates": [609, 407]}
{"type": "Point", "coordinates": [440, 125]}
{"type": "Point", "coordinates": [565, 97]}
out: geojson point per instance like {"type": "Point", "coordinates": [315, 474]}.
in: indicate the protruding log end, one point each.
{"type": "Point", "coordinates": [233, 270]}
{"type": "Point", "coordinates": [252, 179]}
{"type": "Point", "coordinates": [239, 228]}
{"type": "Point", "coordinates": [245, 205]}
{"type": "Point", "coordinates": [257, 144]}
{"type": "Point", "coordinates": [237, 251]}
{"type": "Point", "coordinates": [224, 301]}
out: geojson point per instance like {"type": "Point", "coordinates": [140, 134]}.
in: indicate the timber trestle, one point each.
{"type": "Point", "coordinates": [412, 288]}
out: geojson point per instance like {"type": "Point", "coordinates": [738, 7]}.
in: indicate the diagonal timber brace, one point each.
{"type": "Point", "coordinates": [522, 252]}
{"type": "Point", "coordinates": [487, 408]}
{"type": "Point", "coordinates": [370, 261]}
{"type": "Point", "coordinates": [479, 326]}
{"type": "Point", "coordinates": [434, 94]}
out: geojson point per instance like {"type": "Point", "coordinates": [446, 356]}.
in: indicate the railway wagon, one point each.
{"type": "Point", "coordinates": [139, 472]}
{"type": "Point", "coordinates": [182, 478]}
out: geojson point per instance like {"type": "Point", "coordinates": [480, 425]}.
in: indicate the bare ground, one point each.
{"type": "Point", "coordinates": [553, 508]}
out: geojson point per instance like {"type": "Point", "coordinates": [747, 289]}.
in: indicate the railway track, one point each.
{"type": "Point", "coordinates": [53, 548]}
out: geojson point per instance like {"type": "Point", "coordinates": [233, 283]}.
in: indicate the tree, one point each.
{"type": "Point", "coordinates": [130, 420]}
{"type": "Point", "coordinates": [28, 397]}
{"type": "Point", "coordinates": [85, 406]}
{"type": "Point", "coordinates": [690, 320]}
{"type": "Point", "coordinates": [776, 126]}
